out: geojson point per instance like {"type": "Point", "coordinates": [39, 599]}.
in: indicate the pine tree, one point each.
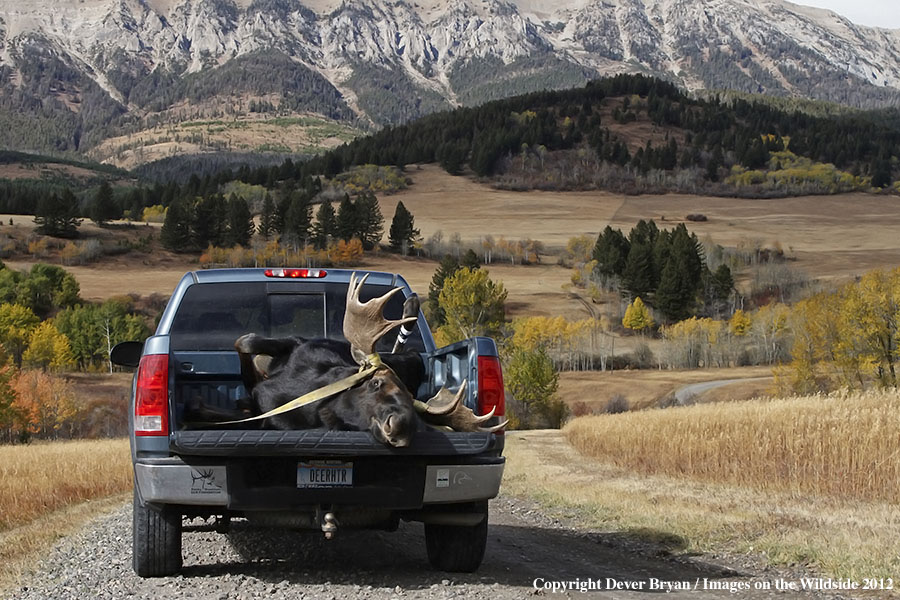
{"type": "Point", "coordinates": [674, 296]}
{"type": "Point", "coordinates": [722, 282]}
{"type": "Point", "coordinates": [447, 267]}
{"type": "Point", "coordinates": [57, 215]}
{"type": "Point", "coordinates": [267, 218]}
{"type": "Point", "coordinates": [325, 227]}
{"type": "Point", "coordinates": [371, 223]}
{"type": "Point", "coordinates": [470, 260]}
{"type": "Point", "coordinates": [240, 225]}
{"type": "Point", "coordinates": [611, 251]}
{"type": "Point", "coordinates": [638, 274]}
{"type": "Point", "coordinates": [403, 233]}
{"type": "Point", "coordinates": [297, 220]}
{"type": "Point", "coordinates": [881, 174]}
{"type": "Point", "coordinates": [103, 207]}
{"type": "Point", "coordinates": [176, 230]}
{"type": "Point", "coordinates": [208, 224]}
{"type": "Point", "coordinates": [348, 221]}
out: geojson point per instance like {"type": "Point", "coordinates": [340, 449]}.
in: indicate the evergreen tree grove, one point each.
{"type": "Point", "coordinates": [57, 215]}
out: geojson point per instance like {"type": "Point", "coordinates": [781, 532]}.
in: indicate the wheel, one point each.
{"type": "Point", "coordinates": [457, 548]}
{"type": "Point", "coordinates": [155, 540]}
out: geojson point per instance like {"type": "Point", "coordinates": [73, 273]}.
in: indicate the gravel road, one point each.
{"type": "Point", "coordinates": [249, 563]}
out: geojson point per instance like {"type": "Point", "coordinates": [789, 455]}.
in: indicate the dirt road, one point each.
{"type": "Point", "coordinates": [683, 395]}
{"type": "Point", "coordinates": [524, 546]}
{"type": "Point", "coordinates": [526, 549]}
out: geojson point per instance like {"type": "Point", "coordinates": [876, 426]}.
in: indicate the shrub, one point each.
{"type": "Point", "coordinates": [642, 357]}
{"type": "Point", "coordinates": [617, 404]}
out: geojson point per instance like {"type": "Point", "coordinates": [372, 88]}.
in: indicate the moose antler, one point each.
{"type": "Point", "coordinates": [446, 410]}
{"type": "Point", "coordinates": [364, 322]}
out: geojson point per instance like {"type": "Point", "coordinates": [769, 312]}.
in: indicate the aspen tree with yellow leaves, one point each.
{"type": "Point", "coordinates": [637, 316]}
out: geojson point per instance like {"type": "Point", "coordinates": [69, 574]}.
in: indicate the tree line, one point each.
{"type": "Point", "coordinates": [712, 135]}
{"type": "Point", "coordinates": [45, 328]}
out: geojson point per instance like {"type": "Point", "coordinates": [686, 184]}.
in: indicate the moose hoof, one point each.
{"type": "Point", "coordinates": [246, 343]}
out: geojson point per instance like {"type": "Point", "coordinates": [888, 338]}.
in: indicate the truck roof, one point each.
{"type": "Point", "coordinates": [264, 274]}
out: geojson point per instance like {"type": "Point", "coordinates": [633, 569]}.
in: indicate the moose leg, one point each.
{"type": "Point", "coordinates": [255, 369]}
{"type": "Point", "coordinates": [410, 309]}
{"type": "Point", "coordinates": [253, 343]}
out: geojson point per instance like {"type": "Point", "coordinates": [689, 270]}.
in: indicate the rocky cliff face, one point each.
{"type": "Point", "coordinates": [114, 63]}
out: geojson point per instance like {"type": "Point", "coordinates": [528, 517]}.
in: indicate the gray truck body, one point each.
{"type": "Point", "coordinates": [441, 478]}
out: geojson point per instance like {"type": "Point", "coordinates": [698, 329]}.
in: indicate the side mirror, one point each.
{"type": "Point", "coordinates": [127, 354]}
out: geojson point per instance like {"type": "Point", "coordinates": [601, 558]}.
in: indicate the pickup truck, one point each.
{"type": "Point", "coordinates": [307, 479]}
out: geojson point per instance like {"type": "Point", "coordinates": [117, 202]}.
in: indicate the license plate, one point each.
{"type": "Point", "coordinates": [324, 474]}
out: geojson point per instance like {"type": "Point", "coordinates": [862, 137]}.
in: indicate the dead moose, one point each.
{"type": "Point", "coordinates": [276, 371]}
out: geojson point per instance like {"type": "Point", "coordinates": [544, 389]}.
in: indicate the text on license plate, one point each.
{"type": "Point", "coordinates": [324, 473]}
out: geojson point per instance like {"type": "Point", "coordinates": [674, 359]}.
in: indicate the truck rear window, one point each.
{"type": "Point", "coordinates": [212, 316]}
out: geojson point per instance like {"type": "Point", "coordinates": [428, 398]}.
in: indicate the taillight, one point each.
{"type": "Point", "coordinates": [294, 273]}
{"type": "Point", "coordinates": [151, 401]}
{"type": "Point", "coordinates": [490, 386]}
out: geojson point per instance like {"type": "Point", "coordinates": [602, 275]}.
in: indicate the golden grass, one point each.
{"type": "Point", "coordinates": [50, 489]}
{"type": "Point", "coordinates": [840, 445]}
{"type": "Point", "coordinates": [834, 537]}
{"type": "Point", "coordinates": [40, 478]}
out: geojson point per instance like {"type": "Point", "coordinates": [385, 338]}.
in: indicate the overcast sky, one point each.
{"type": "Point", "coordinates": [876, 13]}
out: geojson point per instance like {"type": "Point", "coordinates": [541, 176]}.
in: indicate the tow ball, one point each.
{"type": "Point", "coordinates": [329, 522]}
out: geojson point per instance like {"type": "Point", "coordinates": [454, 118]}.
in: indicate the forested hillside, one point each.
{"type": "Point", "coordinates": [638, 134]}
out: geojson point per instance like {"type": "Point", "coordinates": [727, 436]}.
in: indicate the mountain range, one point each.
{"type": "Point", "coordinates": [102, 77]}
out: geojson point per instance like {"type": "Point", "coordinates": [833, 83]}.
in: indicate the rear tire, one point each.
{"type": "Point", "coordinates": [457, 548]}
{"type": "Point", "coordinates": [155, 540]}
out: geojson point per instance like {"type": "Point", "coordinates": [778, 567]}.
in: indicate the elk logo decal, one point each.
{"type": "Point", "coordinates": [204, 482]}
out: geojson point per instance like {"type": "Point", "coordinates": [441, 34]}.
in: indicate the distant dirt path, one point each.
{"type": "Point", "coordinates": [684, 394]}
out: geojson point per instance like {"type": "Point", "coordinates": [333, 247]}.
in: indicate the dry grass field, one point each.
{"type": "Point", "coordinates": [842, 445]}
{"type": "Point", "coordinates": [49, 489]}
{"type": "Point", "coordinates": [39, 478]}
{"type": "Point", "coordinates": [828, 236]}
{"type": "Point", "coordinates": [825, 236]}
{"type": "Point", "coordinates": [833, 536]}
{"type": "Point", "coordinates": [441, 202]}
